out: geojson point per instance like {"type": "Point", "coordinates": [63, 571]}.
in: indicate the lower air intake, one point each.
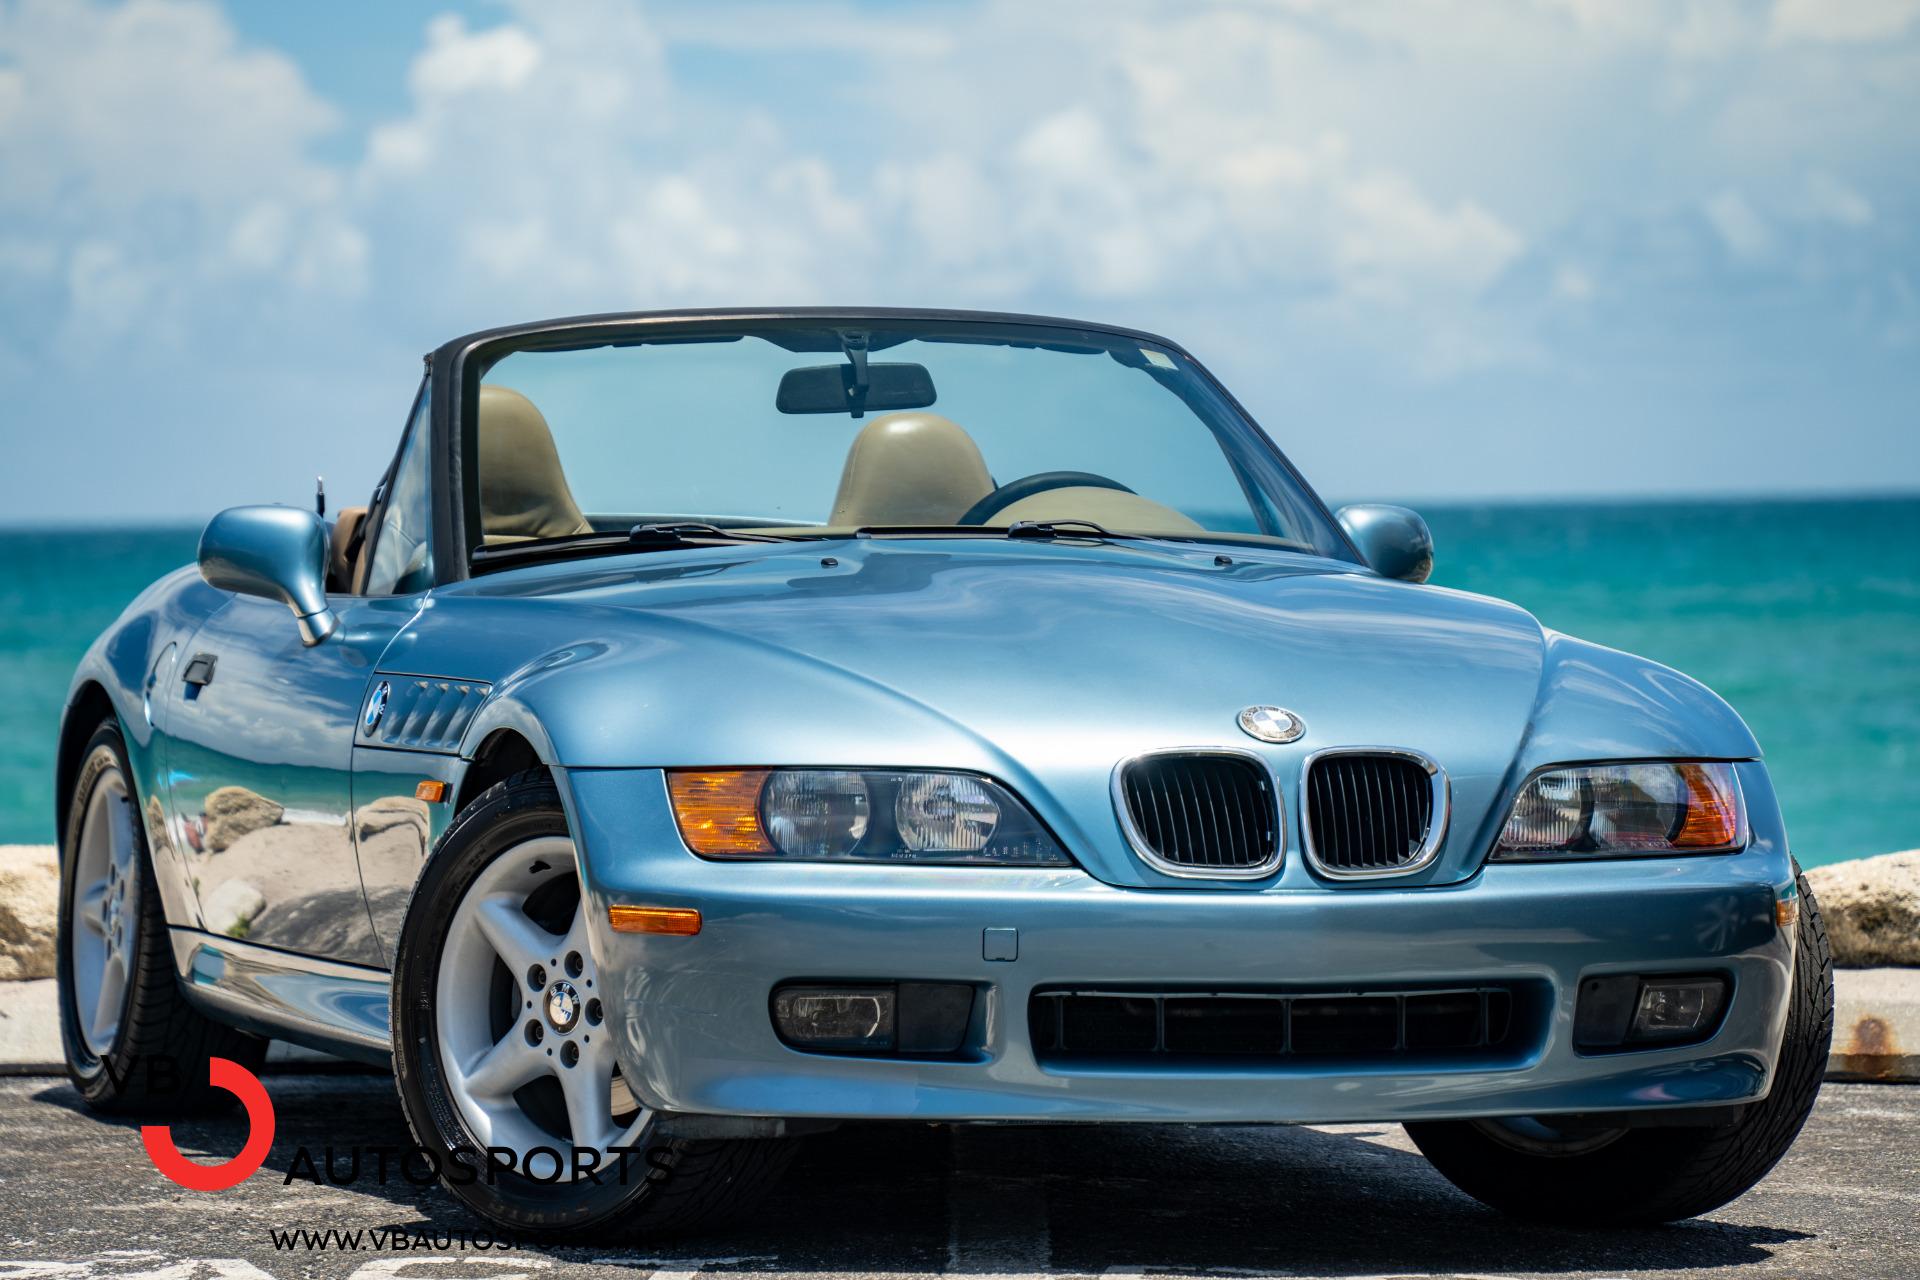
{"type": "Point", "coordinates": [1091, 1026]}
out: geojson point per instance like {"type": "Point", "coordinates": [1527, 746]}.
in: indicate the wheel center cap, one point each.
{"type": "Point", "coordinates": [563, 1006]}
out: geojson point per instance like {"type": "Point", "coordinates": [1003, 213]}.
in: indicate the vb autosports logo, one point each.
{"type": "Point", "coordinates": [244, 1085]}
{"type": "Point", "coordinates": [346, 1166]}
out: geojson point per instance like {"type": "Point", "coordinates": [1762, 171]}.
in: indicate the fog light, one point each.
{"type": "Point", "coordinates": [1624, 1011]}
{"type": "Point", "coordinates": [1674, 1010]}
{"type": "Point", "coordinates": [843, 1018]}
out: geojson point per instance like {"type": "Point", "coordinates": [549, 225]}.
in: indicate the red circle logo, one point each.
{"type": "Point", "coordinates": [244, 1085]}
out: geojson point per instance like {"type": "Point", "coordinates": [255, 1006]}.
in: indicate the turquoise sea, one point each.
{"type": "Point", "coordinates": [1805, 615]}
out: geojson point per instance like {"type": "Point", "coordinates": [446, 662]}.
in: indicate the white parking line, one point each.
{"type": "Point", "coordinates": [679, 1268]}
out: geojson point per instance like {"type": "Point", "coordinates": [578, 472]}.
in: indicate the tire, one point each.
{"type": "Point", "coordinates": [1632, 1177]}
{"type": "Point", "coordinates": [452, 1018]}
{"type": "Point", "coordinates": [140, 1048]}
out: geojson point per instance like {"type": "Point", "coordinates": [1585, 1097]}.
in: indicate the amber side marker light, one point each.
{"type": "Point", "coordinates": [430, 791]}
{"type": "Point", "coordinates": [1786, 911]}
{"type": "Point", "coordinates": [682, 922]}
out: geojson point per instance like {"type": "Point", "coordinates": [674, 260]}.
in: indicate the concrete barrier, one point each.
{"type": "Point", "coordinates": [1876, 1025]}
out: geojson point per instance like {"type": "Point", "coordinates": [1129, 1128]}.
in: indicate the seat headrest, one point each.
{"type": "Point", "coordinates": [910, 468]}
{"type": "Point", "coordinates": [523, 491]}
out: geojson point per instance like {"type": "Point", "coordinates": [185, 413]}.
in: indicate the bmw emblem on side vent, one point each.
{"type": "Point", "coordinates": [1272, 724]}
{"type": "Point", "coordinates": [377, 707]}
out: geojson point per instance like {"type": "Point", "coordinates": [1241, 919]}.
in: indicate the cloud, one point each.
{"type": "Point", "coordinates": [575, 173]}
{"type": "Point", "coordinates": [457, 61]}
{"type": "Point", "coordinates": [1843, 21]}
{"type": "Point", "coordinates": [161, 167]}
{"type": "Point", "coordinates": [551, 161]}
{"type": "Point", "coordinates": [1331, 200]}
{"type": "Point", "coordinates": [1572, 283]}
{"type": "Point", "coordinates": [1741, 228]}
{"type": "Point", "coordinates": [1835, 201]}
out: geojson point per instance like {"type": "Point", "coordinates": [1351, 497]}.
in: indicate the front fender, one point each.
{"type": "Point", "coordinates": [144, 646]}
{"type": "Point", "coordinates": [1597, 703]}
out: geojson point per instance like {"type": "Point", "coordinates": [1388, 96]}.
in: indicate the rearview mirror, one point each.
{"type": "Point", "coordinates": [279, 553]}
{"type": "Point", "coordinates": [1394, 540]}
{"type": "Point", "coordinates": [835, 388]}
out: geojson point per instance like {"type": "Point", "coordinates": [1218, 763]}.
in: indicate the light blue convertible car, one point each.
{"type": "Point", "coordinates": [722, 724]}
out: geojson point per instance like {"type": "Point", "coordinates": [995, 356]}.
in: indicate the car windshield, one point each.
{"type": "Point", "coordinates": [824, 430]}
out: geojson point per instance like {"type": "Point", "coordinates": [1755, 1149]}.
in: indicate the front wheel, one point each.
{"type": "Point", "coordinates": [503, 1045]}
{"type": "Point", "coordinates": [1594, 1175]}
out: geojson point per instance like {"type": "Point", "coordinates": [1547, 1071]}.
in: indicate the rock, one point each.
{"type": "Point", "coordinates": [29, 908]}
{"type": "Point", "coordinates": [390, 812]}
{"type": "Point", "coordinates": [233, 812]}
{"type": "Point", "coordinates": [231, 908]}
{"type": "Point", "coordinates": [394, 834]}
{"type": "Point", "coordinates": [1872, 909]}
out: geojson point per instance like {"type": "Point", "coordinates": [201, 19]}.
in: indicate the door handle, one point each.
{"type": "Point", "coordinates": [199, 672]}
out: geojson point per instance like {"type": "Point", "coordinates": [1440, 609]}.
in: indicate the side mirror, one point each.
{"type": "Point", "coordinates": [276, 552]}
{"type": "Point", "coordinates": [1394, 540]}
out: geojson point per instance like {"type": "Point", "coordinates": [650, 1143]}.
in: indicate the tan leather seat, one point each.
{"type": "Point", "coordinates": [523, 491]}
{"type": "Point", "coordinates": [910, 468]}
{"type": "Point", "coordinates": [343, 570]}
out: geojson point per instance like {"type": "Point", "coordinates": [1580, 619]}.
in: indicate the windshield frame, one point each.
{"type": "Point", "coordinates": [459, 366]}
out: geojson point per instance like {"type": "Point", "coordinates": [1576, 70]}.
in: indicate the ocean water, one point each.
{"type": "Point", "coordinates": [1804, 615]}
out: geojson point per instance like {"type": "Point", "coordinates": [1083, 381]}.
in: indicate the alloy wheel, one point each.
{"type": "Point", "coordinates": [106, 911]}
{"type": "Point", "coordinates": [522, 1028]}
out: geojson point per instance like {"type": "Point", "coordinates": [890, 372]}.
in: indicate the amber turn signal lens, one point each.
{"type": "Point", "coordinates": [430, 791]}
{"type": "Point", "coordinates": [681, 922]}
{"type": "Point", "coordinates": [718, 810]}
{"type": "Point", "coordinates": [1786, 912]}
{"type": "Point", "coordinates": [1713, 811]}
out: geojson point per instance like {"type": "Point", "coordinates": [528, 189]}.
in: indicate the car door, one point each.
{"type": "Point", "coordinates": [261, 755]}
{"type": "Point", "coordinates": [262, 732]}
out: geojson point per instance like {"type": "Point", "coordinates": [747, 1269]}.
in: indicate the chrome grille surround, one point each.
{"type": "Point", "coordinates": [1152, 857]}
{"type": "Point", "coordinates": [1439, 814]}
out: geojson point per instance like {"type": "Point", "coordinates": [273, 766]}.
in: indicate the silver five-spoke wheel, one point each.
{"type": "Point", "coordinates": [106, 911]}
{"type": "Point", "coordinates": [121, 1009]}
{"type": "Point", "coordinates": [503, 1031]}
{"type": "Point", "coordinates": [523, 1037]}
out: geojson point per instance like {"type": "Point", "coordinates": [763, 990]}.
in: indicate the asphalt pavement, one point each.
{"type": "Point", "coordinates": [79, 1198]}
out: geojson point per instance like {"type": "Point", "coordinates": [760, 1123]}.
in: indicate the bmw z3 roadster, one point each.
{"type": "Point", "coordinates": [723, 724]}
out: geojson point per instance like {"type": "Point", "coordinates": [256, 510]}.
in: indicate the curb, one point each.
{"type": "Point", "coordinates": [1876, 1026]}
{"type": "Point", "coordinates": [30, 1039]}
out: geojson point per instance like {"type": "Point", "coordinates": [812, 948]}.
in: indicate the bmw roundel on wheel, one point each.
{"type": "Point", "coordinates": [721, 725]}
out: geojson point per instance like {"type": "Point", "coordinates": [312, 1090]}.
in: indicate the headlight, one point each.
{"type": "Point", "coordinates": [1625, 811]}
{"type": "Point", "coordinates": [857, 815]}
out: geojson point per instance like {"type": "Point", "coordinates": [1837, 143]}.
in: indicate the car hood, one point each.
{"type": "Point", "coordinates": [1043, 664]}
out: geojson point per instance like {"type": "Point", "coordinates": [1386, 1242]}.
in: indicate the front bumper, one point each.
{"type": "Point", "coordinates": [694, 1035]}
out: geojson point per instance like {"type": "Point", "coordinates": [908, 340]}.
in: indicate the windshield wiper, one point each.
{"type": "Point", "coordinates": [1063, 529]}
{"type": "Point", "coordinates": [1018, 529]}
{"type": "Point", "coordinates": [690, 533]}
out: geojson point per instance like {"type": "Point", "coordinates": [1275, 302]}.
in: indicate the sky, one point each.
{"type": "Point", "coordinates": [1443, 250]}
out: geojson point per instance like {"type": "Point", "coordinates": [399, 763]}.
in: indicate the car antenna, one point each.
{"type": "Point", "coordinates": [320, 496]}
